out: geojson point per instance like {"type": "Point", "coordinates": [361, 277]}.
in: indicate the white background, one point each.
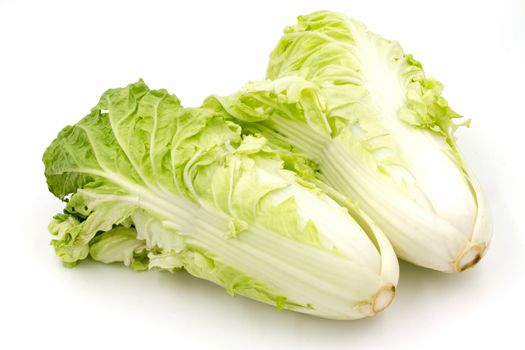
{"type": "Point", "coordinates": [56, 58]}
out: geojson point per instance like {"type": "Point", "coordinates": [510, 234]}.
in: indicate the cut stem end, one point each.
{"type": "Point", "coordinates": [383, 298]}
{"type": "Point", "coordinates": [469, 257]}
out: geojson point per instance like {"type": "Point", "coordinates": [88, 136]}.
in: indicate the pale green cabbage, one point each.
{"type": "Point", "coordinates": [154, 185]}
{"type": "Point", "coordinates": [380, 132]}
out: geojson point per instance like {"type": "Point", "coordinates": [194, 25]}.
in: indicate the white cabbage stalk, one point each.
{"type": "Point", "coordinates": [154, 185]}
{"type": "Point", "coordinates": [380, 132]}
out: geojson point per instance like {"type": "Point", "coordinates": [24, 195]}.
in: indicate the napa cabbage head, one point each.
{"type": "Point", "coordinates": [153, 185]}
{"type": "Point", "coordinates": [380, 132]}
